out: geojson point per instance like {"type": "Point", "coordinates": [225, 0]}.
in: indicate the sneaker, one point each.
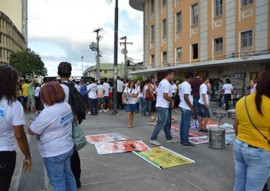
{"type": "Point", "coordinates": [105, 110]}
{"type": "Point", "coordinates": [89, 113]}
{"type": "Point", "coordinates": [155, 142]}
{"type": "Point", "coordinates": [172, 140]}
{"type": "Point", "coordinates": [188, 144]}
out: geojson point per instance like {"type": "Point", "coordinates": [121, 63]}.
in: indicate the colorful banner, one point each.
{"type": "Point", "coordinates": [120, 147]}
{"type": "Point", "coordinates": [162, 157]}
{"type": "Point", "coordinates": [105, 138]}
{"type": "Point", "coordinates": [198, 140]}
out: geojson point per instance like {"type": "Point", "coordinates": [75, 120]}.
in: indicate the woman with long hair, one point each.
{"type": "Point", "coordinates": [54, 129]}
{"type": "Point", "coordinates": [12, 120]}
{"type": "Point", "coordinates": [252, 145]}
{"type": "Point", "coordinates": [130, 95]}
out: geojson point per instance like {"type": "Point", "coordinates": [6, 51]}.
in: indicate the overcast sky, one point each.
{"type": "Point", "coordinates": [61, 30]}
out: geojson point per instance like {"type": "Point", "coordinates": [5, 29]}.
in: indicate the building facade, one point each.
{"type": "Point", "coordinates": [11, 39]}
{"type": "Point", "coordinates": [218, 38]}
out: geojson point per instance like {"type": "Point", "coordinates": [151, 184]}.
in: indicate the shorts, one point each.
{"type": "Point", "coordinates": [31, 101]}
{"type": "Point", "coordinates": [100, 100]}
{"type": "Point", "coordinates": [130, 107]}
{"type": "Point", "coordinates": [203, 111]}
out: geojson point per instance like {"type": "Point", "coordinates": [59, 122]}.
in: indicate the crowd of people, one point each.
{"type": "Point", "coordinates": [55, 118]}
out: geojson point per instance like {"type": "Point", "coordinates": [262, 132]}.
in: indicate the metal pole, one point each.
{"type": "Point", "coordinates": [98, 62]}
{"type": "Point", "coordinates": [82, 65]}
{"type": "Point", "coordinates": [115, 57]}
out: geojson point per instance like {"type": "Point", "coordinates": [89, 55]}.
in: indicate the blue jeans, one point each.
{"type": "Point", "coordinates": [252, 167]}
{"type": "Point", "coordinates": [59, 172]}
{"type": "Point", "coordinates": [141, 105]}
{"type": "Point", "coordinates": [147, 106]}
{"type": "Point", "coordinates": [196, 106]}
{"type": "Point", "coordinates": [184, 125]}
{"type": "Point", "coordinates": [93, 106]}
{"type": "Point", "coordinates": [164, 119]}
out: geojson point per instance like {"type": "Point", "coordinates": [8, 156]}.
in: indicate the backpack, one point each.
{"type": "Point", "coordinates": [76, 101]}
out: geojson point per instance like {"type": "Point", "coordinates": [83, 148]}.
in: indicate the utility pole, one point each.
{"type": "Point", "coordinates": [124, 51]}
{"type": "Point", "coordinates": [95, 47]}
{"type": "Point", "coordinates": [82, 65]}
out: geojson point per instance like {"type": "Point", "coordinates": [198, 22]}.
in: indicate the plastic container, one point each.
{"type": "Point", "coordinates": [217, 138]}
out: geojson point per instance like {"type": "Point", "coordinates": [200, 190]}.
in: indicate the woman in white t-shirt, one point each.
{"type": "Point", "coordinates": [227, 88]}
{"type": "Point", "coordinates": [53, 128]}
{"type": "Point", "coordinates": [129, 95]}
{"type": "Point", "coordinates": [12, 120]}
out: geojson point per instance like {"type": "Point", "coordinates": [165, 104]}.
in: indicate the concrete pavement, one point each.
{"type": "Point", "coordinates": [213, 170]}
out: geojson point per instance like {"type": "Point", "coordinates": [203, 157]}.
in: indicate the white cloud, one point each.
{"type": "Point", "coordinates": [61, 30]}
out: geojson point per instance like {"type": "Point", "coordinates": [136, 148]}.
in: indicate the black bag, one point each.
{"type": "Point", "coordinates": [76, 101]}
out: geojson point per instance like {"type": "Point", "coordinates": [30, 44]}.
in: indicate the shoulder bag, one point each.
{"type": "Point", "coordinates": [78, 136]}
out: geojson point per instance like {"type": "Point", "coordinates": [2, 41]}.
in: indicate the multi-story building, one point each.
{"type": "Point", "coordinates": [13, 28]}
{"type": "Point", "coordinates": [218, 38]}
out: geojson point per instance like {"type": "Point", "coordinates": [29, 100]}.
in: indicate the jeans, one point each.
{"type": "Point", "coordinates": [7, 166]}
{"type": "Point", "coordinates": [184, 125]}
{"type": "Point", "coordinates": [93, 106]}
{"type": "Point", "coordinates": [147, 107]}
{"type": "Point", "coordinates": [141, 105]}
{"type": "Point", "coordinates": [196, 106]}
{"type": "Point", "coordinates": [163, 122]}
{"type": "Point", "coordinates": [252, 167]}
{"type": "Point", "coordinates": [227, 98]}
{"type": "Point", "coordinates": [59, 172]}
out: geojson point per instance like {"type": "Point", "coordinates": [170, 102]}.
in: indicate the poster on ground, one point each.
{"type": "Point", "coordinates": [162, 157]}
{"type": "Point", "coordinates": [105, 138]}
{"type": "Point", "coordinates": [198, 140]}
{"type": "Point", "coordinates": [121, 147]}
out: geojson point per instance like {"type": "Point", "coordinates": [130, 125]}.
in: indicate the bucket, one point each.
{"type": "Point", "coordinates": [217, 138]}
{"type": "Point", "coordinates": [231, 113]}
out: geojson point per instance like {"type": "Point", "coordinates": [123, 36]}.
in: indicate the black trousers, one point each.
{"type": "Point", "coordinates": [76, 167]}
{"type": "Point", "coordinates": [119, 100]}
{"type": "Point", "coordinates": [7, 166]}
{"type": "Point", "coordinates": [227, 98]}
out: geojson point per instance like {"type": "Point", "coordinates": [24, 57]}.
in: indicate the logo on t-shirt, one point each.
{"type": "Point", "coordinates": [2, 113]}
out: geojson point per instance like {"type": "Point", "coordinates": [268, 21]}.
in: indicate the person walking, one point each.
{"type": "Point", "coordinates": [92, 89]}
{"type": "Point", "coordinates": [53, 127]}
{"type": "Point", "coordinates": [227, 88]}
{"type": "Point", "coordinates": [163, 103]}
{"type": "Point", "coordinates": [195, 86]}
{"type": "Point", "coordinates": [12, 120]}
{"type": "Point", "coordinates": [186, 108]}
{"type": "Point", "coordinates": [130, 94]}
{"type": "Point", "coordinates": [251, 147]}
{"type": "Point", "coordinates": [204, 113]}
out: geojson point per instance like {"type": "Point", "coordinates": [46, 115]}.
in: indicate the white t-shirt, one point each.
{"type": "Point", "coordinates": [227, 88]}
{"type": "Point", "coordinates": [203, 90]}
{"type": "Point", "coordinates": [37, 91]}
{"type": "Point", "coordinates": [174, 88]}
{"type": "Point", "coordinates": [140, 94]}
{"type": "Point", "coordinates": [10, 115]}
{"type": "Point", "coordinates": [92, 88]}
{"type": "Point", "coordinates": [185, 88]}
{"type": "Point", "coordinates": [54, 125]}
{"type": "Point", "coordinates": [66, 90]}
{"type": "Point", "coordinates": [163, 87]}
{"type": "Point", "coordinates": [100, 91]}
{"type": "Point", "coordinates": [128, 91]}
{"type": "Point", "coordinates": [106, 88]}
{"type": "Point", "coordinates": [252, 90]}
{"type": "Point", "coordinates": [120, 86]}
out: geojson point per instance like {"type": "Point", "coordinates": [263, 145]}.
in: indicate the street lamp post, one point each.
{"type": "Point", "coordinates": [82, 65]}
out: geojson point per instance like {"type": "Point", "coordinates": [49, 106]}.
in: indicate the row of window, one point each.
{"type": "Point", "coordinates": [246, 42]}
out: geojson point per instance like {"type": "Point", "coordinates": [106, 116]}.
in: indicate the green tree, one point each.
{"type": "Point", "coordinates": [28, 64]}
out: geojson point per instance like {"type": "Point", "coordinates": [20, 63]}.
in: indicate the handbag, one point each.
{"type": "Point", "coordinates": [148, 95]}
{"type": "Point", "coordinates": [254, 124]}
{"type": "Point", "coordinates": [78, 136]}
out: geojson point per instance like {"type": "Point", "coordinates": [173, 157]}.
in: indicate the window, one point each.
{"type": "Point", "coordinates": [164, 2]}
{"type": "Point", "coordinates": [195, 51]}
{"type": "Point", "coordinates": [164, 27]}
{"type": "Point", "coordinates": [179, 22]}
{"type": "Point", "coordinates": [246, 38]}
{"type": "Point", "coordinates": [194, 14]}
{"type": "Point", "coordinates": [152, 59]}
{"type": "Point", "coordinates": [164, 57]}
{"type": "Point", "coordinates": [152, 33]}
{"type": "Point", "coordinates": [179, 53]}
{"type": "Point", "coordinates": [247, 2]}
{"type": "Point", "coordinates": [218, 7]}
{"type": "Point", "coordinates": [152, 6]}
{"type": "Point", "coordinates": [218, 44]}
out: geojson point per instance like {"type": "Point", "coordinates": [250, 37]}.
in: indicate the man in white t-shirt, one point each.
{"type": "Point", "coordinates": [92, 89]}
{"type": "Point", "coordinates": [106, 86]}
{"type": "Point", "coordinates": [227, 88]}
{"type": "Point", "coordinates": [186, 106]}
{"type": "Point", "coordinates": [120, 87]}
{"type": "Point", "coordinates": [204, 113]}
{"type": "Point", "coordinates": [163, 104]}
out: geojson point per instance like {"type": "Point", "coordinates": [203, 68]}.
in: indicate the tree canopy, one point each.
{"type": "Point", "coordinates": [28, 64]}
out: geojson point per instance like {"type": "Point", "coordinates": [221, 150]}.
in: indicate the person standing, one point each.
{"type": "Point", "coordinates": [163, 103]}
{"type": "Point", "coordinates": [31, 96]}
{"type": "Point", "coordinates": [106, 94]}
{"type": "Point", "coordinates": [186, 108]}
{"type": "Point", "coordinates": [204, 113]}
{"type": "Point", "coordinates": [100, 96]}
{"type": "Point", "coordinates": [120, 87]}
{"type": "Point", "coordinates": [130, 93]}
{"type": "Point", "coordinates": [12, 120]}
{"type": "Point", "coordinates": [92, 89]}
{"type": "Point", "coordinates": [25, 95]}
{"type": "Point", "coordinates": [195, 86]}
{"type": "Point", "coordinates": [252, 85]}
{"type": "Point", "coordinates": [227, 88]}
{"type": "Point", "coordinates": [147, 101]}
{"type": "Point", "coordinates": [54, 127]}
{"type": "Point", "coordinates": [220, 93]}
{"type": "Point", "coordinates": [251, 148]}
{"type": "Point", "coordinates": [64, 72]}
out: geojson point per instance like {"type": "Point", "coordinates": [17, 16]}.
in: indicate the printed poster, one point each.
{"type": "Point", "coordinates": [162, 157]}
{"type": "Point", "coordinates": [105, 138]}
{"type": "Point", "coordinates": [120, 147]}
{"type": "Point", "coordinates": [198, 140]}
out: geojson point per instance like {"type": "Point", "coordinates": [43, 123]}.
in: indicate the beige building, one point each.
{"type": "Point", "coordinates": [219, 38]}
